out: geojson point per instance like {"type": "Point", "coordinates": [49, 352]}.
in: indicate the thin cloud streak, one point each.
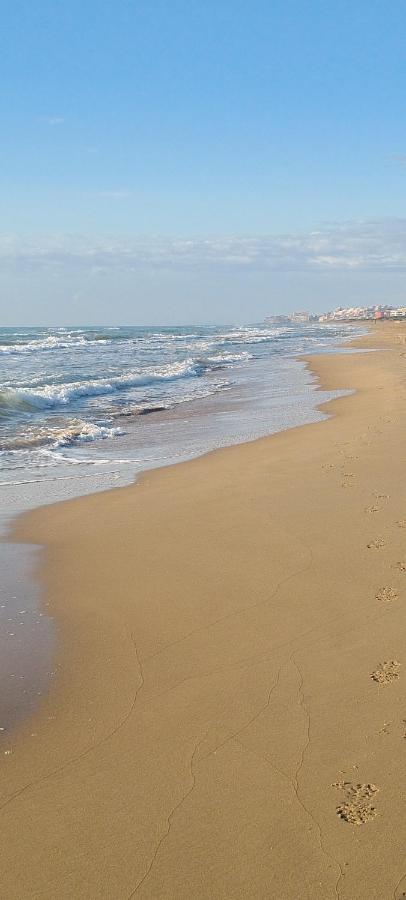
{"type": "Point", "coordinates": [374, 245]}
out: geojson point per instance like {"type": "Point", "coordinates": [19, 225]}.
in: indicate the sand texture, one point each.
{"type": "Point", "coordinates": [228, 715]}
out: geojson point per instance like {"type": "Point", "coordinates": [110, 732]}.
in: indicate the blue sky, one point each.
{"type": "Point", "coordinates": [158, 158]}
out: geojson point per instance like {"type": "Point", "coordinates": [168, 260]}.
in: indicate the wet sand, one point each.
{"type": "Point", "coordinates": [228, 718]}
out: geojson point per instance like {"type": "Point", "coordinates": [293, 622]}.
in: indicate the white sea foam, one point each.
{"type": "Point", "coordinates": [230, 357]}
{"type": "Point", "coordinates": [52, 395]}
{"type": "Point", "coordinates": [73, 431]}
{"type": "Point", "coordinates": [85, 432]}
{"type": "Point", "coordinates": [61, 341]}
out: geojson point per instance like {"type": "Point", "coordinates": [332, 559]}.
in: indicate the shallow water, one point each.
{"type": "Point", "coordinates": [27, 638]}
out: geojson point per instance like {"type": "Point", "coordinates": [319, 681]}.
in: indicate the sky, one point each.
{"type": "Point", "coordinates": [200, 160]}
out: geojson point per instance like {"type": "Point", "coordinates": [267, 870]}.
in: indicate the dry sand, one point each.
{"type": "Point", "coordinates": [228, 718]}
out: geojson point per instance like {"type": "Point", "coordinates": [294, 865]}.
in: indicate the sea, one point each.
{"type": "Point", "coordinates": [88, 409]}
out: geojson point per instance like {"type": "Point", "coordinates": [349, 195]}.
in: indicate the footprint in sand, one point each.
{"type": "Point", "coordinates": [376, 544]}
{"type": "Point", "coordinates": [385, 728]}
{"type": "Point", "coordinates": [387, 672]}
{"type": "Point", "coordinates": [357, 808]}
{"type": "Point", "coordinates": [348, 479]}
{"type": "Point", "coordinates": [328, 466]}
{"type": "Point", "coordinates": [400, 566]}
{"type": "Point", "coordinates": [371, 509]}
{"type": "Point", "coordinates": [380, 496]}
{"type": "Point", "coordinates": [401, 523]}
{"type": "Point", "coordinates": [387, 594]}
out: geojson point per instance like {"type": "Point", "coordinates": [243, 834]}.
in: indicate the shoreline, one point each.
{"type": "Point", "coordinates": [247, 409]}
{"type": "Point", "coordinates": [27, 653]}
{"type": "Point", "coordinates": [169, 683]}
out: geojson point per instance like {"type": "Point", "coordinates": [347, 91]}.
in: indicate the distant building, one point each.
{"type": "Point", "coordinates": [300, 317]}
{"type": "Point", "coordinates": [294, 318]}
{"type": "Point", "coordinates": [355, 313]}
{"type": "Point", "coordinates": [398, 313]}
{"type": "Point", "coordinates": [277, 320]}
{"type": "Point", "coordinates": [342, 314]}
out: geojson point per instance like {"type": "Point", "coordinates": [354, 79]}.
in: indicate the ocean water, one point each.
{"type": "Point", "coordinates": [82, 409]}
{"type": "Point", "coordinates": [86, 409]}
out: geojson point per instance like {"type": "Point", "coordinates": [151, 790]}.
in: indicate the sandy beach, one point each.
{"type": "Point", "coordinates": [227, 717]}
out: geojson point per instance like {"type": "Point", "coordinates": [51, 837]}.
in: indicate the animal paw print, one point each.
{"type": "Point", "coordinates": [401, 566]}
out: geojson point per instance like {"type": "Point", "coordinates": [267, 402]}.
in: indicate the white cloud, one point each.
{"type": "Point", "coordinates": [375, 245]}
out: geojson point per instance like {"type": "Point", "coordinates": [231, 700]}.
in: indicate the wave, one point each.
{"type": "Point", "coordinates": [52, 342]}
{"type": "Point", "coordinates": [230, 357]}
{"type": "Point", "coordinates": [48, 437]}
{"type": "Point", "coordinates": [54, 437]}
{"type": "Point", "coordinates": [36, 458]}
{"type": "Point", "coordinates": [51, 396]}
{"type": "Point", "coordinates": [20, 343]}
{"type": "Point", "coordinates": [85, 432]}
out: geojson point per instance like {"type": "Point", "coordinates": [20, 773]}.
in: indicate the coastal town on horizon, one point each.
{"type": "Point", "coordinates": [340, 314]}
